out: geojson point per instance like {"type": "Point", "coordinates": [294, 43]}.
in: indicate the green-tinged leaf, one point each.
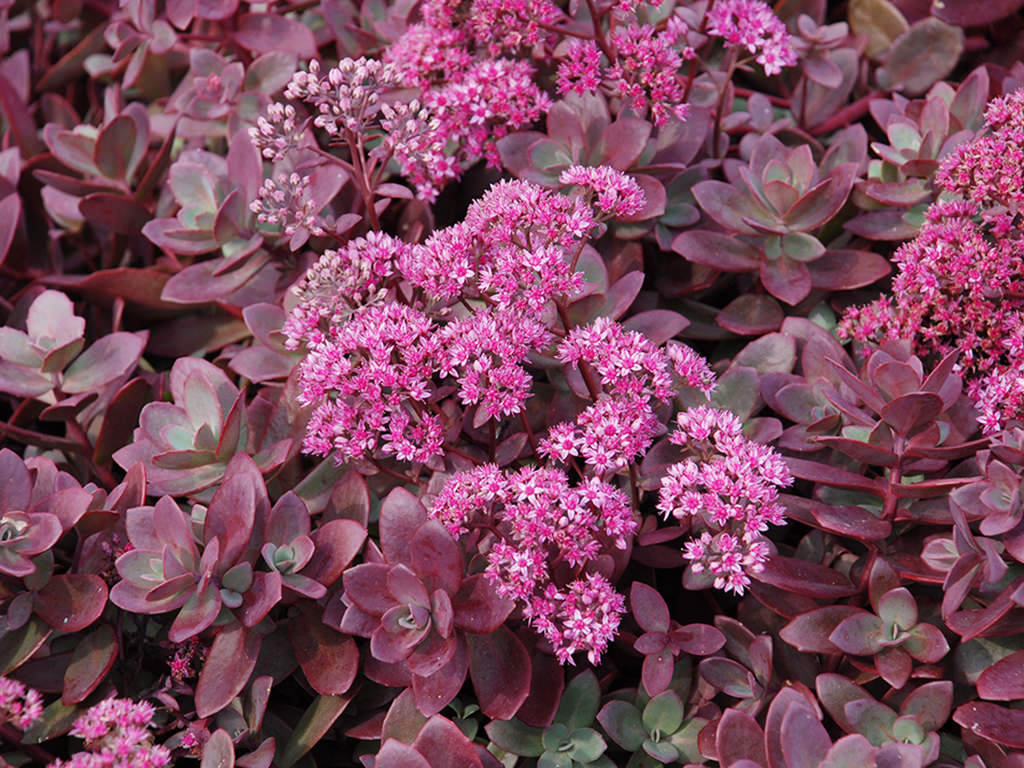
{"type": "Point", "coordinates": [91, 660]}
{"type": "Point", "coordinates": [56, 720]}
{"type": "Point", "coordinates": [663, 713]}
{"type": "Point", "coordinates": [16, 646]}
{"type": "Point", "coordinates": [314, 723]}
{"type": "Point", "coordinates": [622, 722]}
{"type": "Point", "coordinates": [516, 737]}
{"type": "Point", "coordinates": [580, 701]}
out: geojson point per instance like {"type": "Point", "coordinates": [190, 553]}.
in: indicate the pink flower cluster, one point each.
{"type": "Point", "coordinates": [960, 285]}
{"type": "Point", "coordinates": [500, 25]}
{"type": "Point", "coordinates": [19, 705]}
{"type": "Point", "coordinates": [286, 202]}
{"type": "Point", "coordinates": [620, 424]}
{"type": "Point", "coordinates": [385, 322]}
{"type": "Point", "coordinates": [990, 169]}
{"type": "Point", "coordinates": [347, 98]}
{"type": "Point", "coordinates": [751, 24]}
{"type": "Point", "coordinates": [117, 735]}
{"type": "Point", "coordinates": [548, 533]}
{"type": "Point", "coordinates": [370, 380]}
{"type": "Point", "coordinates": [643, 71]}
{"type": "Point", "coordinates": [616, 194]}
{"type": "Point", "coordinates": [728, 489]}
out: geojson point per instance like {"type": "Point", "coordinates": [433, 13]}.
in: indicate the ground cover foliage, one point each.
{"type": "Point", "coordinates": [511, 383]}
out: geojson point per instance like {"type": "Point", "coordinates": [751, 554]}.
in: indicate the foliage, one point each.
{"type": "Point", "coordinates": [511, 383]}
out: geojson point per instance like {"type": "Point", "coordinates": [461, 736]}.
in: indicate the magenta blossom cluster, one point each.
{"type": "Point", "coordinates": [387, 324]}
{"type": "Point", "coordinates": [990, 169]}
{"type": "Point", "coordinates": [548, 533]}
{"type": "Point", "coordinates": [625, 373]}
{"type": "Point", "coordinates": [616, 194]}
{"type": "Point", "coordinates": [117, 735]}
{"type": "Point", "coordinates": [960, 285]}
{"type": "Point", "coordinates": [751, 24]}
{"type": "Point", "coordinates": [19, 705]}
{"type": "Point", "coordinates": [643, 70]}
{"type": "Point", "coordinates": [727, 488]}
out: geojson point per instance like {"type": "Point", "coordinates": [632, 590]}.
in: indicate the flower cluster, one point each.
{"type": "Point", "coordinates": [544, 523]}
{"type": "Point", "coordinates": [617, 195]}
{"type": "Point", "coordinates": [642, 71]}
{"type": "Point", "coordinates": [751, 24]}
{"type": "Point", "coordinates": [374, 362]}
{"type": "Point", "coordinates": [278, 132]}
{"type": "Point", "coordinates": [287, 203]}
{"type": "Point", "coordinates": [990, 169]}
{"type": "Point", "coordinates": [369, 380]}
{"type": "Point", "coordinates": [645, 69]}
{"type": "Point", "coordinates": [500, 25]}
{"type": "Point", "coordinates": [620, 424]}
{"type": "Point", "coordinates": [339, 282]}
{"type": "Point", "coordinates": [19, 705]}
{"type": "Point", "coordinates": [348, 96]}
{"type": "Point", "coordinates": [117, 735]}
{"type": "Point", "coordinates": [960, 285]}
{"type": "Point", "coordinates": [728, 489]}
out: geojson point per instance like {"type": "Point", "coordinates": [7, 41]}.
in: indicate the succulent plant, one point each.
{"type": "Point", "coordinates": [654, 729]}
{"type": "Point", "coordinates": [46, 361]}
{"type": "Point", "coordinates": [427, 620]}
{"type": "Point", "coordinates": [569, 741]}
{"type": "Point", "coordinates": [892, 634]}
{"type": "Point", "coordinates": [769, 211]}
{"type": "Point", "coordinates": [186, 445]}
{"type": "Point", "coordinates": [664, 639]}
{"type": "Point", "coordinates": [203, 577]}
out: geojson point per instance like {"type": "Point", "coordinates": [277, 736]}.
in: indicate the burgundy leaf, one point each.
{"type": "Point", "coordinates": [227, 669]}
{"type": "Point", "coordinates": [739, 737]}
{"type": "Point", "coordinates": [401, 514]}
{"type": "Point", "coordinates": [498, 665]}
{"type": "Point", "coordinates": [329, 659]}
{"type": "Point", "coordinates": [92, 659]}
{"type": "Point", "coordinates": [648, 607]}
{"type": "Point", "coordinates": [72, 601]}
{"type": "Point", "coordinates": [447, 746]}
{"type": "Point", "coordinates": [1001, 725]}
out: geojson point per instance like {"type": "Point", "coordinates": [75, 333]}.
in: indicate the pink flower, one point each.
{"type": "Point", "coordinates": [542, 520]}
{"type": "Point", "coordinates": [728, 488]}
{"type": "Point", "coordinates": [117, 735]}
{"type": "Point", "coordinates": [751, 24]}
{"type": "Point", "coordinates": [19, 705]}
{"type": "Point", "coordinates": [617, 195]}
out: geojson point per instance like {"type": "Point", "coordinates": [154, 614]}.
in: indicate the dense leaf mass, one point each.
{"type": "Point", "coordinates": [511, 383]}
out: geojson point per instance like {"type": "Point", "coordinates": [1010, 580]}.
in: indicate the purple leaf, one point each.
{"type": "Point", "coordinates": [717, 250]}
{"type": "Point", "coordinates": [498, 665]}
{"type": "Point", "coordinates": [92, 659]}
{"type": "Point", "coordinates": [219, 751]}
{"type": "Point", "coordinates": [447, 746]}
{"type": "Point", "coordinates": [739, 737]}
{"type": "Point", "coordinates": [810, 631]}
{"type": "Point", "coordinates": [859, 634]}
{"type": "Point", "coordinates": [401, 514]}
{"type": "Point", "coordinates": [72, 601]}
{"type": "Point", "coordinates": [806, 578]}
{"type": "Point", "coordinates": [263, 32]}
{"type": "Point", "coordinates": [648, 607]}
{"type": "Point", "coordinates": [990, 721]}
{"type": "Point", "coordinates": [227, 668]}
{"type": "Point", "coordinates": [435, 555]}
{"type": "Point", "coordinates": [786, 279]}
{"type": "Point", "coordinates": [329, 659]}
